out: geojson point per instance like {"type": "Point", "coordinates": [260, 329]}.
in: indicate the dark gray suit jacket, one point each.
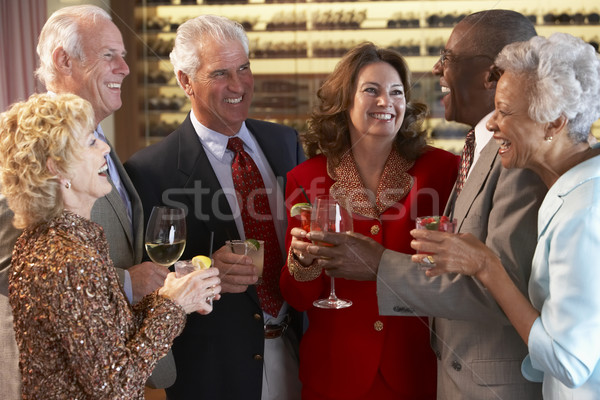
{"type": "Point", "coordinates": [479, 351]}
{"type": "Point", "coordinates": [218, 356]}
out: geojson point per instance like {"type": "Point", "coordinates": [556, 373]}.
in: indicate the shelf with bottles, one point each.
{"type": "Point", "coordinates": [277, 57]}
{"type": "Point", "coordinates": [309, 45]}
{"type": "Point", "coordinates": [275, 18]}
{"type": "Point", "coordinates": [278, 97]}
{"type": "Point", "coordinates": [284, 98]}
{"type": "Point", "coordinates": [297, 51]}
{"type": "Point", "coordinates": [260, 15]}
{"type": "Point", "coordinates": [308, 37]}
{"type": "Point", "coordinates": [276, 85]}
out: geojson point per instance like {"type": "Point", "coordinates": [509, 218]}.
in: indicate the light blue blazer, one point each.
{"type": "Point", "coordinates": [564, 342]}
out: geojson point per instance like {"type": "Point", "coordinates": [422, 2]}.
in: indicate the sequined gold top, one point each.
{"type": "Point", "coordinates": [78, 336]}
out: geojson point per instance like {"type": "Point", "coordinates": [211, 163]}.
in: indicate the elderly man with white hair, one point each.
{"type": "Point", "coordinates": [244, 349]}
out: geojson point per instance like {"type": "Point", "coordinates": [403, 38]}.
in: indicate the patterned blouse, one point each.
{"type": "Point", "coordinates": [78, 336]}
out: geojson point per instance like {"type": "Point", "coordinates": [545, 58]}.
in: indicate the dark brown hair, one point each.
{"type": "Point", "coordinates": [328, 130]}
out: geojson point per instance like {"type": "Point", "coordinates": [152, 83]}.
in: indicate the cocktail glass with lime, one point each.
{"type": "Point", "coordinates": [185, 267]}
{"type": "Point", "coordinates": [304, 211]}
{"type": "Point", "coordinates": [253, 248]}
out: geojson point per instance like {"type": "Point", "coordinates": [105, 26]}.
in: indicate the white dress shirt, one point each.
{"type": "Point", "coordinates": [482, 137]}
{"type": "Point", "coordinates": [280, 369]}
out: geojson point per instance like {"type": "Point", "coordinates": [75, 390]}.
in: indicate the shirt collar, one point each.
{"type": "Point", "coordinates": [482, 135]}
{"type": "Point", "coordinates": [216, 143]}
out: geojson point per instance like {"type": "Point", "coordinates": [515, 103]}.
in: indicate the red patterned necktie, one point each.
{"type": "Point", "coordinates": [465, 160]}
{"type": "Point", "coordinates": [258, 222]}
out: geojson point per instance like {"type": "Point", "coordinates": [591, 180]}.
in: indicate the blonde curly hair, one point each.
{"type": "Point", "coordinates": [45, 127]}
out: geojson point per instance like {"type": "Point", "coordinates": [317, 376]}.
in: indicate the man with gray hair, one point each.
{"type": "Point", "coordinates": [229, 172]}
{"type": "Point", "coordinates": [81, 51]}
{"type": "Point", "coordinates": [479, 352]}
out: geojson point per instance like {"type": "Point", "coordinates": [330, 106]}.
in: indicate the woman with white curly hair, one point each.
{"type": "Point", "coordinates": [546, 102]}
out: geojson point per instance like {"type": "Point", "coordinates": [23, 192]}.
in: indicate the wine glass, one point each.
{"type": "Point", "coordinates": [329, 215]}
{"type": "Point", "coordinates": [165, 235]}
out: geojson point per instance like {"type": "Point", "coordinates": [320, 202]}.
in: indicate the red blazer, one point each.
{"type": "Point", "coordinates": [342, 350]}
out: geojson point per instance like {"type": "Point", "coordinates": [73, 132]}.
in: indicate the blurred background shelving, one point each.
{"type": "Point", "coordinates": [295, 45]}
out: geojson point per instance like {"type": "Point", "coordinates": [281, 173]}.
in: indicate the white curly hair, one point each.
{"type": "Point", "coordinates": [563, 73]}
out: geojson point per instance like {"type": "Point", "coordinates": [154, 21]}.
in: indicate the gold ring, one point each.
{"type": "Point", "coordinates": [429, 260]}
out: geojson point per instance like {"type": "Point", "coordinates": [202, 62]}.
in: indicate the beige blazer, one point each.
{"type": "Point", "coordinates": [479, 351]}
{"type": "Point", "coordinates": [10, 377]}
{"type": "Point", "coordinates": [126, 239]}
{"type": "Point", "coordinates": [126, 249]}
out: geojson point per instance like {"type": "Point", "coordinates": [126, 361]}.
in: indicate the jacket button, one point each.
{"type": "Point", "coordinates": [378, 325]}
{"type": "Point", "coordinates": [375, 229]}
{"type": "Point", "coordinates": [456, 365]}
{"type": "Point", "coordinates": [258, 357]}
{"type": "Point", "coordinates": [257, 317]}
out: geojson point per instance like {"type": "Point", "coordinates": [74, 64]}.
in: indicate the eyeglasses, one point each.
{"type": "Point", "coordinates": [447, 56]}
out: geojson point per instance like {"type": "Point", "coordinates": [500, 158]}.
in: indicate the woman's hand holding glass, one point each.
{"type": "Point", "coordinates": [459, 253]}
{"type": "Point", "coordinates": [331, 216]}
{"type": "Point", "coordinates": [191, 290]}
{"type": "Point", "coordinates": [299, 246]}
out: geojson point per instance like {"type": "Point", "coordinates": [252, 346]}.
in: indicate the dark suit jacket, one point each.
{"type": "Point", "coordinates": [218, 356]}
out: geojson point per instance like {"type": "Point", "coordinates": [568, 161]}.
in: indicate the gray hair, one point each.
{"type": "Point", "coordinates": [62, 30]}
{"type": "Point", "coordinates": [193, 34]}
{"type": "Point", "coordinates": [564, 79]}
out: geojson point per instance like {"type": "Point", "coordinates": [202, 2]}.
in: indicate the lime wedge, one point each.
{"type": "Point", "coordinates": [253, 243]}
{"type": "Point", "coordinates": [298, 207]}
{"type": "Point", "coordinates": [201, 262]}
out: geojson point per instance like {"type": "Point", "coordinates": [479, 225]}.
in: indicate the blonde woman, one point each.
{"type": "Point", "coordinates": [78, 336]}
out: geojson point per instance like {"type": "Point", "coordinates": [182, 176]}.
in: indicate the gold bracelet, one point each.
{"type": "Point", "coordinates": [299, 271]}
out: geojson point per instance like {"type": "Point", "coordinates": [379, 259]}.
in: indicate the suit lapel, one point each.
{"type": "Point", "coordinates": [137, 212]}
{"type": "Point", "coordinates": [200, 180]}
{"type": "Point", "coordinates": [475, 182]}
{"type": "Point", "coordinates": [115, 201]}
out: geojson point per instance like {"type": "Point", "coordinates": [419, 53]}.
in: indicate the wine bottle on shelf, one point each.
{"type": "Point", "coordinates": [564, 18]}
{"type": "Point", "coordinates": [549, 18]}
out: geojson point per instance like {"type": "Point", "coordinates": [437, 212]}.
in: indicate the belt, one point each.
{"type": "Point", "coordinates": [273, 331]}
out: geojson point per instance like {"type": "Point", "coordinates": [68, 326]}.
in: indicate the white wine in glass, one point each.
{"type": "Point", "coordinates": [165, 235]}
{"type": "Point", "coordinates": [329, 215]}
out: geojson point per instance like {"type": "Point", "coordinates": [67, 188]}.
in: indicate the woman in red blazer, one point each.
{"type": "Point", "coordinates": [366, 145]}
